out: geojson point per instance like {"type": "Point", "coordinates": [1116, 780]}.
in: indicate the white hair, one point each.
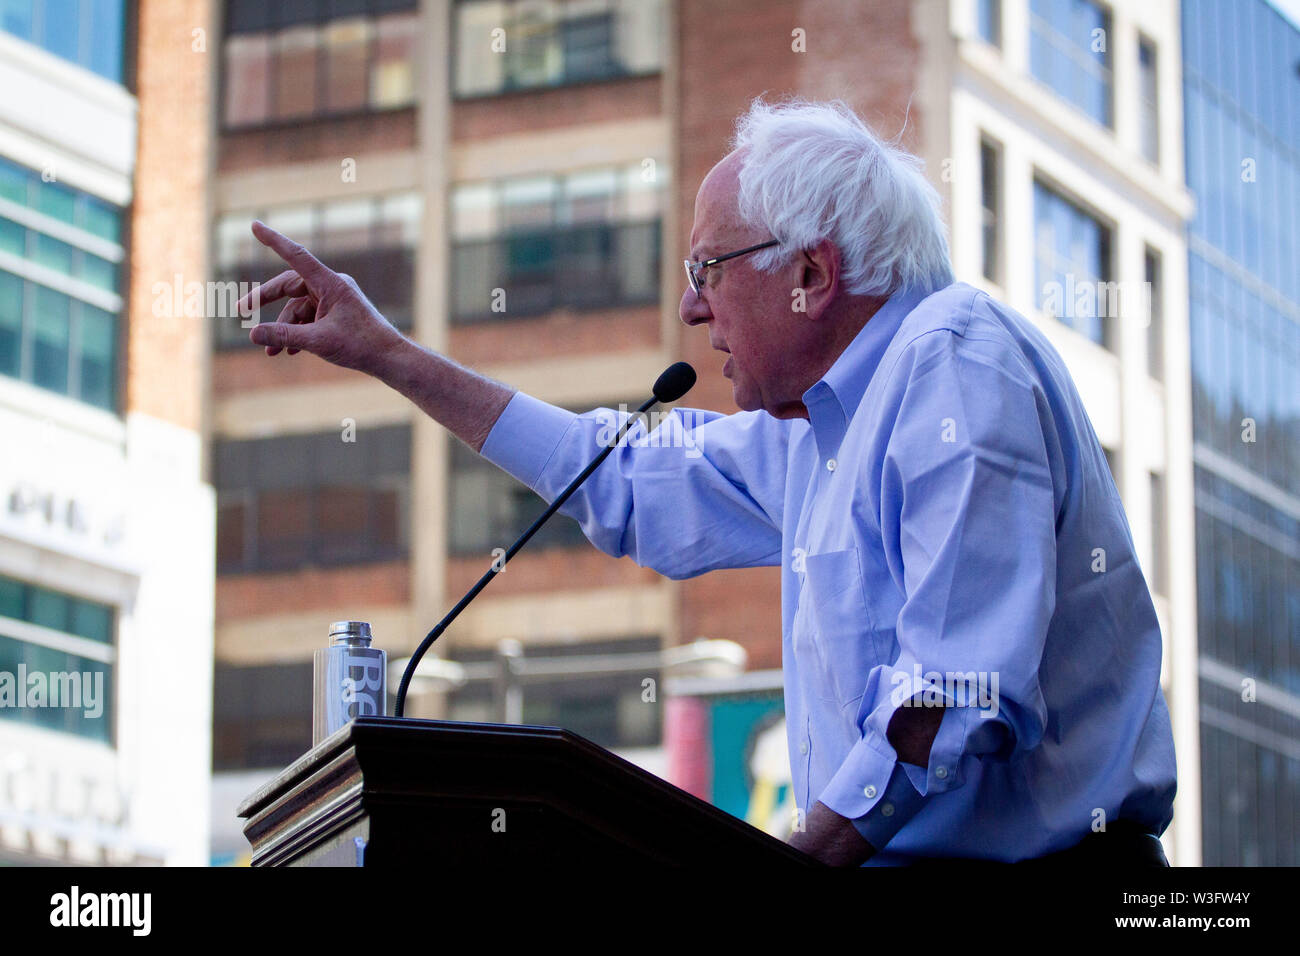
{"type": "Point", "coordinates": [814, 171]}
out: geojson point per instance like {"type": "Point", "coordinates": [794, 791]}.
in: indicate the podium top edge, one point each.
{"type": "Point", "coordinates": [345, 737]}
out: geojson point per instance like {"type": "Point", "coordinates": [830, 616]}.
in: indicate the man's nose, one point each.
{"type": "Point", "coordinates": [693, 309]}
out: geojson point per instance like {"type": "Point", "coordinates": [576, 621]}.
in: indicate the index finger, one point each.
{"type": "Point", "coordinates": [313, 273]}
{"type": "Point", "coordinates": [286, 285]}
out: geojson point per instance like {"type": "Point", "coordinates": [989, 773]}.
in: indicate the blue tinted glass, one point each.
{"type": "Point", "coordinates": [1070, 52]}
{"type": "Point", "coordinates": [13, 180]}
{"type": "Point", "coordinates": [1273, 42]}
{"type": "Point", "coordinates": [1194, 139]}
{"type": "Point", "coordinates": [987, 15]}
{"type": "Point", "coordinates": [13, 238]}
{"type": "Point", "coordinates": [1063, 226]}
{"type": "Point", "coordinates": [61, 28]}
{"type": "Point", "coordinates": [1040, 56]}
{"type": "Point", "coordinates": [86, 32]}
{"type": "Point", "coordinates": [1249, 67]}
{"type": "Point", "coordinates": [1210, 186]}
{"type": "Point", "coordinates": [99, 272]}
{"type": "Point", "coordinates": [101, 218]}
{"type": "Point", "coordinates": [57, 200]}
{"type": "Point", "coordinates": [94, 721]}
{"type": "Point", "coordinates": [107, 29]}
{"type": "Point", "coordinates": [97, 357]}
{"type": "Point", "coordinates": [16, 18]}
{"type": "Point", "coordinates": [11, 598]}
{"type": "Point", "coordinates": [53, 253]}
{"type": "Point", "coordinates": [93, 621]}
{"type": "Point", "coordinates": [1070, 251]}
{"type": "Point", "coordinates": [1222, 351]}
{"type": "Point", "coordinates": [43, 660]}
{"type": "Point", "coordinates": [11, 323]}
{"type": "Point", "coordinates": [1233, 344]}
{"type": "Point", "coordinates": [48, 609]}
{"type": "Point", "coordinates": [1251, 198]}
{"type": "Point", "coordinates": [1252, 363]}
{"type": "Point", "coordinates": [50, 327]}
{"type": "Point", "coordinates": [92, 682]}
{"type": "Point", "coordinates": [1265, 239]}
{"type": "Point", "coordinates": [1290, 131]}
{"type": "Point", "coordinates": [1288, 280]}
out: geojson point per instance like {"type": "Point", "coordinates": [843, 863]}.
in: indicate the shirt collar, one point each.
{"type": "Point", "coordinates": [833, 400]}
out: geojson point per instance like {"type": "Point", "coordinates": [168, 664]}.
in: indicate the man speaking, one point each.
{"type": "Point", "coordinates": [971, 654]}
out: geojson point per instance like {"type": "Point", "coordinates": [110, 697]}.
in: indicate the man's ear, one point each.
{"type": "Point", "coordinates": [818, 276]}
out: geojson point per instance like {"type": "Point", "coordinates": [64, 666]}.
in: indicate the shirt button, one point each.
{"type": "Point", "coordinates": [887, 809]}
{"type": "Point", "coordinates": [941, 772]}
{"type": "Point", "coordinates": [803, 746]}
{"type": "Point", "coordinates": [830, 464]}
{"type": "Point", "coordinates": [870, 791]}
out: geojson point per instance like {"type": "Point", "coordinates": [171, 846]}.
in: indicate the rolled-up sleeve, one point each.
{"type": "Point", "coordinates": [698, 492]}
{"type": "Point", "coordinates": [967, 516]}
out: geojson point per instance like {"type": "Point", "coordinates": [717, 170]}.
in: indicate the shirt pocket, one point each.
{"type": "Point", "coordinates": [842, 628]}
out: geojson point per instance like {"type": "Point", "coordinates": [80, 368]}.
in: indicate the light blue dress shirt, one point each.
{"type": "Point", "coordinates": [949, 533]}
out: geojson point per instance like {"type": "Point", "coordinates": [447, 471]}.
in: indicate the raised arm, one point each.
{"type": "Point", "coordinates": [329, 316]}
{"type": "Point", "coordinates": [708, 494]}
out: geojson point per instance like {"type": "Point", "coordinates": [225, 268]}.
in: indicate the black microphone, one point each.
{"type": "Point", "coordinates": [675, 382]}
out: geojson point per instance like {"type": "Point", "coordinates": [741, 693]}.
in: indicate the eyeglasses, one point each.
{"type": "Point", "coordinates": [695, 269]}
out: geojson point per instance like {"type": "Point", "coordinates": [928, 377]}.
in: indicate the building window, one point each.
{"type": "Point", "coordinates": [60, 268]}
{"type": "Point", "coordinates": [62, 646]}
{"type": "Point", "coordinates": [296, 501]}
{"type": "Point", "coordinates": [1072, 266]}
{"type": "Point", "coordinates": [89, 33]}
{"type": "Point", "coordinates": [1247, 563]}
{"type": "Point", "coordinates": [602, 703]}
{"type": "Point", "coordinates": [1153, 270]}
{"type": "Point", "coordinates": [988, 21]}
{"type": "Point", "coordinates": [506, 45]}
{"type": "Point", "coordinates": [1149, 115]}
{"type": "Point", "coordinates": [315, 59]}
{"type": "Point", "coordinates": [1069, 50]}
{"type": "Point", "coordinates": [1245, 357]}
{"type": "Point", "coordinates": [585, 240]}
{"type": "Point", "coordinates": [261, 715]}
{"type": "Point", "coordinates": [1159, 560]}
{"type": "Point", "coordinates": [489, 509]}
{"type": "Point", "coordinates": [991, 209]}
{"type": "Point", "coordinates": [372, 239]}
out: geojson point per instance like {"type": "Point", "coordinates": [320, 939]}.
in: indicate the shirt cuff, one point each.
{"type": "Point", "coordinates": [874, 790]}
{"type": "Point", "coordinates": [898, 804]}
{"type": "Point", "coordinates": [944, 771]}
{"type": "Point", "coordinates": [879, 793]}
{"type": "Point", "coordinates": [525, 437]}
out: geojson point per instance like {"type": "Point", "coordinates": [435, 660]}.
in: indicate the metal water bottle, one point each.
{"type": "Point", "coordinates": [349, 679]}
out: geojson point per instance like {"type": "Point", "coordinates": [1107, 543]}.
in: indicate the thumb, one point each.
{"type": "Point", "coordinates": [281, 335]}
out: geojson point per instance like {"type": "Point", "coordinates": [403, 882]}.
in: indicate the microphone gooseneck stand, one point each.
{"type": "Point", "coordinates": [675, 382]}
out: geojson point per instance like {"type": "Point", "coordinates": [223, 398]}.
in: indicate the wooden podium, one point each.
{"type": "Point", "coordinates": [390, 792]}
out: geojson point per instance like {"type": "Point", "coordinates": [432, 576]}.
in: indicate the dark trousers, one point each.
{"type": "Point", "coordinates": [1122, 845]}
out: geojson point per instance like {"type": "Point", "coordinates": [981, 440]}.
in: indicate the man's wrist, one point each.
{"type": "Point", "coordinates": [392, 363]}
{"type": "Point", "coordinates": [831, 838]}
